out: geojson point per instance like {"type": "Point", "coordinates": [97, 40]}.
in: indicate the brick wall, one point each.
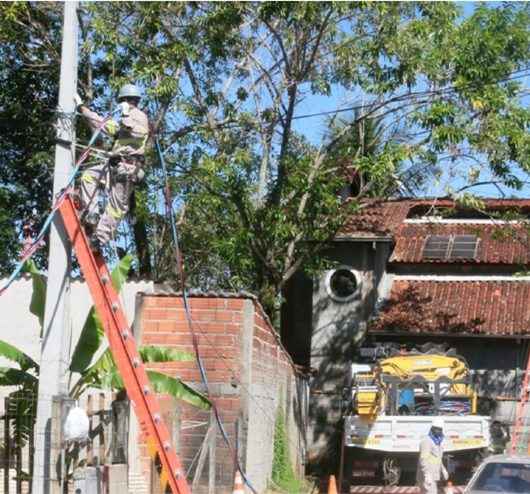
{"type": "Point", "coordinates": [249, 375]}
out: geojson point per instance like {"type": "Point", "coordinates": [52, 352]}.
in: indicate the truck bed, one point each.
{"type": "Point", "coordinates": [403, 433]}
{"type": "Point", "coordinates": [375, 489]}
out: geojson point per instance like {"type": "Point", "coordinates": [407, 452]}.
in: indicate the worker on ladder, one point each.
{"type": "Point", "coordinates": [119, 174]}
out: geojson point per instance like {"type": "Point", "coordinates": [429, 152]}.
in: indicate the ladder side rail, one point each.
{"type": "Point", "coordinates": [124, 351]}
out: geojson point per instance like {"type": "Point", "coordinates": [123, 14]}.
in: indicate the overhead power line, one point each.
{"type": "Point", "coordinates": [414, 94]}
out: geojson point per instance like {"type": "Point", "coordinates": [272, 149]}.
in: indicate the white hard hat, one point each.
{"type": "Point", "coordinates": [129, 91]}
{"type": "Point", "coordinates": [437, 422]}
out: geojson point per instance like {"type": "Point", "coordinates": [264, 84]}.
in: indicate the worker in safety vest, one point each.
{"type": "Point", "coordinates": [118, 175]}
{"type": "Point", "coordinates": [430, 467]}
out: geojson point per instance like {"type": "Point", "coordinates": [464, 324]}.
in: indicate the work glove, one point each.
{"type": "Point", "coordinates": [78, 100]}
{"type": "Point", "coordinates": [124, 108]}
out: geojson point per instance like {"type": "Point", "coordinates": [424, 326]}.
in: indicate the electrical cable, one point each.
{"type": "Point", "coordinates": [191, 323]}
{"type": "Point", "coordinates": [36, 243]}
{"type": "Point", "coordinates": [178, 256]}
{"type": "Point", "coordinates": [406, 96]}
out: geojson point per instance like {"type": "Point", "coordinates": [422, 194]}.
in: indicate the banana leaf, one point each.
{"type": "Point", "coordinates": [21, 411]}
{"type": "Point", "coordinates": [38, 297]}
{"type": "Point", "coordinates": [161, 354]}
{"type": "Point", "coordinates": [93, 332]}
{"type": "Point", "coordinates": [173, 386]}
{"type": "Point", "coordinates": [104, 374]}
{"type": "Point", "coordinates": [17, 377]}
{"type": "Point", "coordinates": [18, 356]}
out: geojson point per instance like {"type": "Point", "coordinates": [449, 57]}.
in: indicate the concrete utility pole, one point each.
{"type": "Point", "coordinates": [55, 342]}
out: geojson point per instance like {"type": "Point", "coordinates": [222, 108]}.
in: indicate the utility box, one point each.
{"type": "Point", "coordinates": [106, 479]}
{"type": "Point", "coordinates": [89, 480]}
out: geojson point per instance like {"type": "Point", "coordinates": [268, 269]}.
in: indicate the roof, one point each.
{"type": "Point", "coordinates": [499, 242]}
{"type": "Point", "coordinates": [376, 217]}
{"type": "Point", "coordinates": [493, 308]}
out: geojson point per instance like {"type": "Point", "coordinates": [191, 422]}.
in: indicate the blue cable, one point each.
{"type": "Point", "coordinates": [47, 223]}
{"type": "Point", "coordinates": [204, 378]}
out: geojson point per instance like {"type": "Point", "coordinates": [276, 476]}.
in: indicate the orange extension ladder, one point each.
{"type": "Point", "coordinates": [124, 351]}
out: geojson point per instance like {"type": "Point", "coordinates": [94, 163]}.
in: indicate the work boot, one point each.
{"type": "Point", "coordinates": [90, 220]}
{"type": "Point", "coordinates": [95, 244]}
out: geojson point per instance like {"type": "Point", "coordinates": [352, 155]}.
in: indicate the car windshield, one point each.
{"type": "Point", "coordinates": [510, 478]}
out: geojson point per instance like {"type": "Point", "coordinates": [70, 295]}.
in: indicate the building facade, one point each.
{"type": "Point", "coordinates": [409, 273]}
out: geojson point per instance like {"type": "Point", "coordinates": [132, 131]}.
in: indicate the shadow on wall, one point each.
{"type": "Point", "coordinates": [333, 350]}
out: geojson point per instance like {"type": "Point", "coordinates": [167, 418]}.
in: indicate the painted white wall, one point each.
{"type": "Point", "coordinates": [21, 328]}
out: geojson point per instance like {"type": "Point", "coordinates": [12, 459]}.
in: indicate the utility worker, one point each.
{"type": "Point", "coordinates": [124, 168]}
{"type": "Point", "coordinates": [430, 467]}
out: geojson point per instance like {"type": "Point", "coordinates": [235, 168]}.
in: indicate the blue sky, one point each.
{"type": "Point", "coordinates": [315, 127]}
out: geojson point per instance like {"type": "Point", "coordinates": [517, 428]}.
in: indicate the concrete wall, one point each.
{"type": "Point", "coordinates": [19, 327]}
{"type": "Point", "coordinates": [336, 327]}
{"type": "Point", "coordinates": [250, 375]}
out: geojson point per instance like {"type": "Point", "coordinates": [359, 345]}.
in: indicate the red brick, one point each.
{"type": "Point", "coordinates": [179, 339]}
{"type": "Point", "coordinates": [235, 303]}
{"type": "Point", "coordinates": [226, 316]}
{"type": "Point", "coordinates": [154, 339]}
{"type": "Point", "coordinates": [234, 329]}
{"type": "Point", "coordinates": [213, 327]}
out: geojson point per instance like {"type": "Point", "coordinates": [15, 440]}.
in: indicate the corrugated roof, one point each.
{"type": "Point", "coordinates": [460, 307]}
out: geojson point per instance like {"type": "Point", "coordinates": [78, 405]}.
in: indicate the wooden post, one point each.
{"type": "Point", "coordinates": [212, 447]}
{"type": "Point", "coordinates": [101, 429]}
{"type": "Point", "coordinates": [90, 445]}
{"type": "Point", "coordinates": [7, 447]}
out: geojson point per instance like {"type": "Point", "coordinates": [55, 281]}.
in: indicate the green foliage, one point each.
{"type": "Point", "coordinates": [103, 374]}
{"type": "Point", "coordinates": [225, 83]}
{"type": "Point", "coordinates": [13, 354]}
{"type": "Point", "coordinates": [38, 295]}
{"type": "Point", "coordinates": [30, 50]}
{"type": "Point", "coordinates": [283, 475]}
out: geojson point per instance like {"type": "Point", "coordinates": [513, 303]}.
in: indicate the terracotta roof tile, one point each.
{"type": "Point", "coordinates": [460, 307]}
{"type": "Point", "coordinates": [377, 217]}
{"type": "Point", "coordinates": [499, 244]}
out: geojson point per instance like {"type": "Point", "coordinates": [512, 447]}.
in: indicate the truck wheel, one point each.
{"type": "Point", "coordinates": [391, 472]}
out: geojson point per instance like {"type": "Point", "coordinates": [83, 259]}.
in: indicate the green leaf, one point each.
{"type": "Point", "coordinates": [120, 272]}
{"type": "Point", "coordinates": [93, 332]}
{"type": "Point", "coordinates": [104, 375]}
{"type": "Point", "coordinates": [38, 297]}
{"type": "Point", "coordinates": [15, 355]}
{"type": "Point", "coordinates": [161, 354]}
{"type": "Point", "coordinates": [17, 377]}
{"type": "Point", "coordinates": [173, 386]}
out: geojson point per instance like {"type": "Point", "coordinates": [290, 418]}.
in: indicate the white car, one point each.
{"type": "Point", "coordinates": [501, 473]}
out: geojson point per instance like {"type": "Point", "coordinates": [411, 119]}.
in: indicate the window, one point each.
{"type": "Point", "coordinates": [436, 247]}
{"type": "Point", "coordinates": [450, 247]}
{"type": "Point", "coordinates": [464, 247]}
{"type": "Point", "coordinates": [342, 284]}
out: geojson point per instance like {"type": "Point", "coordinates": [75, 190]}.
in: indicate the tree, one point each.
{"type": "Point", "coordinates": [231, 80]}
{"type": "Point", "coordinates": [228, 86]}
{"type": "Point", "coordinates": [29, 41]}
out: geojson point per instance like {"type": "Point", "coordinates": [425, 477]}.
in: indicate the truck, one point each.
{"type": "Point", "coordinates": [389, 409]}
